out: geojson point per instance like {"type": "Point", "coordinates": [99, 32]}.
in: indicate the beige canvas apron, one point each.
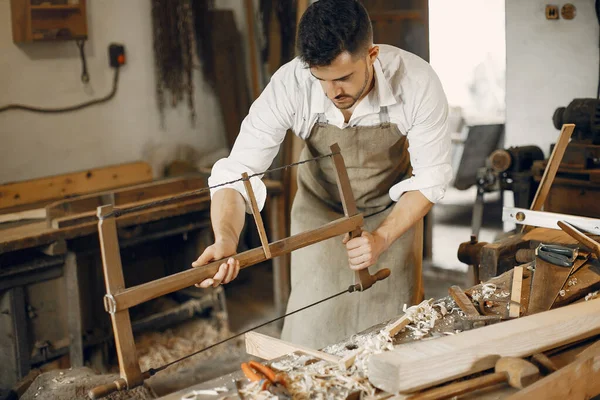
{"type": "Point", "coordinates": [376, 158]}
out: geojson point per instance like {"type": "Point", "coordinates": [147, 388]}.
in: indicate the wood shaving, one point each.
{"type": "Point", "coordinates": [572, 282]}
{"type": "Point", "coordinates": [591, 296]}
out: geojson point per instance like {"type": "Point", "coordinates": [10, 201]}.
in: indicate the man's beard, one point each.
{"type": "Point", "coordinates": [358, 96]}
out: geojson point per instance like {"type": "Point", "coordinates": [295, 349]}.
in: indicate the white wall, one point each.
{"type": "Point", "coordinates": [548, 64]}
{"type": "Point", "coordinates": [48, 75]}
{"type": "Point", "coordinates": [467, 48]}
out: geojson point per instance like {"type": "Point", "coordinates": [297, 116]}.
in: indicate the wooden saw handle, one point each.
{"type": "Point", "coordinates": [104, 390]}
{"type": "Point", "coordinates": [364, 279]}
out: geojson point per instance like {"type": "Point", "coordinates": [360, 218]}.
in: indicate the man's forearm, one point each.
{"type": "Point", "coordinates": [227, 213]}
{"type": "Point", "coordinates": [411, 207]}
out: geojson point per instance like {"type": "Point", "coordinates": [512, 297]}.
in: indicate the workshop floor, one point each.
{"type": "Point", "coordinates": [250, 297]}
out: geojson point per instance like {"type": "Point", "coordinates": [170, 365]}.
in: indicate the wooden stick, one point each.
{"type": "Point", "coordinates": [580, 236]}
{"type": "Point", "coordinates": [514, 309]}
{"type": "Point", "coordinates": [463, 301]}
{"type": "Point", "coordinates": [420, 365]}
{"type": "Point", "coordinates": [249, 6]}
{"type": "Point", "coordinates": [113, 277]}
{"type": "Point", "coordinates": [257, 217]}
{"type": "Point", "coordinates": [38, 213]}
{"type": "Point", "coordinates": [362, 276]}
{"type": "Point", "coordinates": [552, 167]}
{"type": "Point", "coordinates": [147, 291]}
{"type": "Point", "coordinates": [578, 380]}
{"type": "Point", "coordinates": [269, 348]}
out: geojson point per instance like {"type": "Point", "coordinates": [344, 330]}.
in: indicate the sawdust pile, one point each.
{"type": "Point", "coordinates": [324, 380]}
{"type": "Point", "coordinates": [74, 384]}
{"type": "Point", "coordinates": [159, 348]}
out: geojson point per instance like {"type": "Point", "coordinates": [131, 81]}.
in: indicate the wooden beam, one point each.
{"type": "Point", "coordinates": [514, 308]}
{"type": "Point", "coordinates": [578, 380]}
{"type": "Point", "coordinates": [252, 51]}
{"type": "Point", "coordinates": [269, 348]}
{"type": "Point", "coordinates": [120, 196]}
{"type": "Point", "coordinates": [138, 294]}
{"type": "Point", "coordinates": [113, 277]}
{"type": "Point", "coordinates": [462, 301]}
{"type": "Point", "coordinates": [420, 365]}
{"type": "Point", "coordinates": [580, 237]}
{"type": "Point", "coordinates": [551, 169]}
{"type": "Point", "coordinates": [38, 213]}
{"type": "Point", "coordinates": [90, 216]}
{"type": "Point", "coordinates": [59, 186]}
{"type": "Point", "coordinates": [260, 226]}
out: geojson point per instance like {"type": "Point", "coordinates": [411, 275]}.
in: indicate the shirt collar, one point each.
{"type": "Point", "coordinates": [384, 95]}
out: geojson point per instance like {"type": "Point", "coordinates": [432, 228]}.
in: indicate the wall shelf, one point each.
{"type": "Point", "coordinates": [48, 22]}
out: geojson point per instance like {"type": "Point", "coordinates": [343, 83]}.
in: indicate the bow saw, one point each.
{"type": "Point", "coordinates": [119, 299]}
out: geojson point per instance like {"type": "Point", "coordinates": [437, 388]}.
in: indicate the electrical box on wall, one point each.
{"type": "Point", "coordinates": [551, 12]}
{"type": "Point", "coordinates": [48, 20]}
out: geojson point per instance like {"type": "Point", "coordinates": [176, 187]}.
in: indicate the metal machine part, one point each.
{"type": "Point", "coordinates": [585, 114]}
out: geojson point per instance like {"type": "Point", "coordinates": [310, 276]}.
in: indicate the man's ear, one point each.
{"type": "Point", "coordinates": [372, 54]}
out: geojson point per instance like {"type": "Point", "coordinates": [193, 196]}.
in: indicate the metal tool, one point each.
{"type": "Point", "coordinates": [269, 379]}
{"type": "Point", "coordinates": [548, 219]}
{"type": "Point", "coordinates": [556, 254]}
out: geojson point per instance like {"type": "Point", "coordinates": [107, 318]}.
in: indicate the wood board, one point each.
{"type": "Point", "coordinates": [76, 183]}
{"type": "Point", "coordinates": [420, 365]}
{"type": "Point", "coordinates": [547, 282]}
{"type": "Point", "coordinates": [269, 348]}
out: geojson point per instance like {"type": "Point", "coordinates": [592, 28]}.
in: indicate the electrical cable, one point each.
{"type": "Point", "coordinates": [70, 108]}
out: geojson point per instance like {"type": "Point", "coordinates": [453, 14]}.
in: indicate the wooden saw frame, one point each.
{"type": "Point", "coordinates": [119, 299]}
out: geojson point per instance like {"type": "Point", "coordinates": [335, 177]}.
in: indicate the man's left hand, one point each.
{"type": "Point", "coordinates": [365, 250]}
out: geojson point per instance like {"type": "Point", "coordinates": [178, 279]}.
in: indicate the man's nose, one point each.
{"type": "Point", "coordinates": [333, 90]}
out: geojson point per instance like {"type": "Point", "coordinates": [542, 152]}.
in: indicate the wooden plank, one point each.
{"type": "Point", "coordinates": [578, 380]}
{"type": "Point", "coordinates": [552, 167]}
{"type": "Point", "coordinates": [547, 282]}
{"type": "Point", "coordinates": [252, 51]}
{"type": "Point", "coordinates": [515, 293]}
{"type": "Point", "coordinates": [580, 237]}
{"type": "Point", "coordinates": [141, 293]}
{"type": "Point", "coordinates": [118, 197]}
{"type": "Point", "coordinates": [74, 311]}
{"type": "Point", "coordinates": [462, 301]}
{"type": "Point", "coordinates": [260, 226]}
{"type": "Point", "coordinates": [90, 216]}
{"type": "Point", "coordinates": [579, 262]}
{"type": "Point", "coordinates": [129, 367]}
{"type": "Point", "coordinates": [362, 276]}
{"type": "Point", "coordinates": [59, 186]}
{"type": "Point", "coordinates": [419, 365]}
{"type": "Point", "coordinates": [38, 233]}
{"type": "Point", "coordinates": [270, 348]}
{"type": "Point", "coordinates": [588, 280]}
{"type": "Point", "coordinates": [38, 213]}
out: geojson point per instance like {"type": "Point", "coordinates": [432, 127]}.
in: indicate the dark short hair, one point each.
{"type": "Point", "coordinates": [331, 27]}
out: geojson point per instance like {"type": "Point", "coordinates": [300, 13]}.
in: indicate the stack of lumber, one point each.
{"type": "Point", "coordinates": [422, 362]}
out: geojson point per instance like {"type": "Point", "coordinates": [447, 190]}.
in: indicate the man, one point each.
{"type": "Point", "coordinates": [387, 110]}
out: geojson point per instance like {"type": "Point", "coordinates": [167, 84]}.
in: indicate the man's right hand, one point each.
{"type": "Point", "coordinates": [227, 271]}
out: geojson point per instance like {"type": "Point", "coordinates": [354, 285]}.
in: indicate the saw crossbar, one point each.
{"type": "Point", "coordinates": [147, 291]}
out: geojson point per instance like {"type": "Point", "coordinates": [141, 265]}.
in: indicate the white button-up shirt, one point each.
{"type": "Point", "coordinates": [405, 83]}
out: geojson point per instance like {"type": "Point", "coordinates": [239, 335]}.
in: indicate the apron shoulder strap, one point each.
{"type": "Point", "coordinates": [384, 116]}
{"type": "Point", "coordinates": [322, 119]}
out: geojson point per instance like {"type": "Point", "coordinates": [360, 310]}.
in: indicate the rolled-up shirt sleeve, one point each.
{"type": "Point", "coordinates": [260, 137]}
{"type": "Point", "coordinates": [429, 145]}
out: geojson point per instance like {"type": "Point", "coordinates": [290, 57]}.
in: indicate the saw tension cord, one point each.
{"type": "Point", "coordinates": [118, 212]}
{"type": "Point", "coordinates": [153, 371]}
